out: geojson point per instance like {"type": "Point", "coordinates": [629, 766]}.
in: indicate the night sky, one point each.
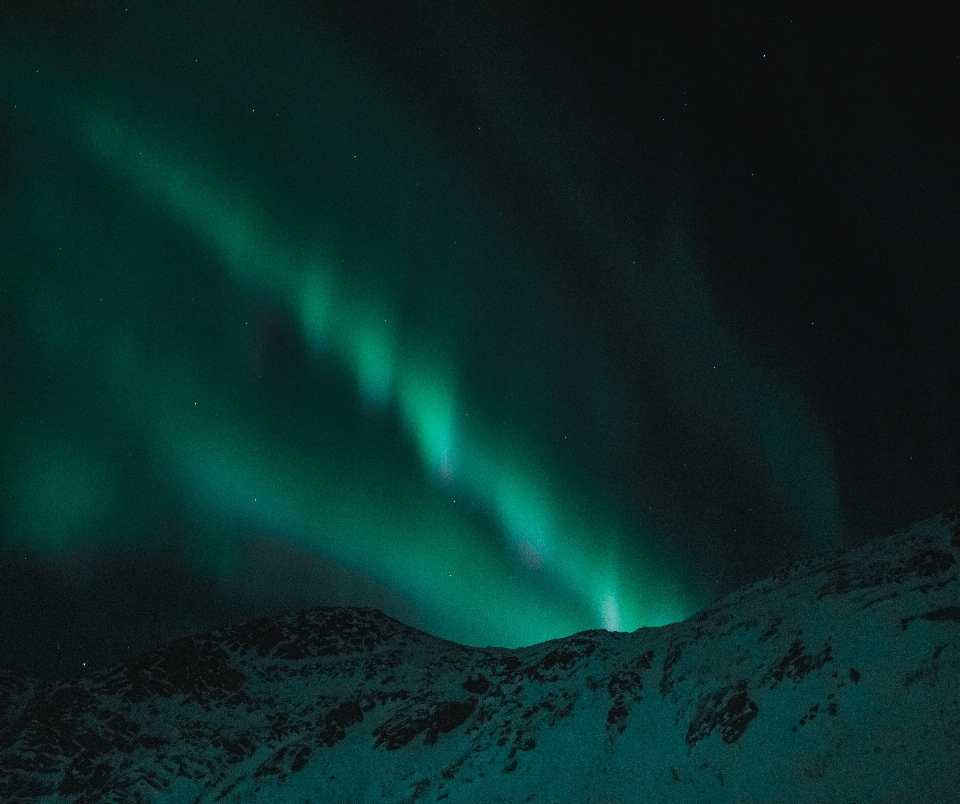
{"type": "Point", "coordinates": [510, 319]}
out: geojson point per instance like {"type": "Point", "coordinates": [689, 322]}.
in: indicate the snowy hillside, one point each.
{"type": "Point", "coordinates": [836, 680]}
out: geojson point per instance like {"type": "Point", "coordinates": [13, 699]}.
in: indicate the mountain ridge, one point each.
{"type": "Point", "coordinates": [835, 679]}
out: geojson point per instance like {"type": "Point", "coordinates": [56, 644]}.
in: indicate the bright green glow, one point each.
{"type": "Point", "coordinates": [426, 551]}
{"type": "Point", "coordinates": [546, 533]}
{"type": "Point", "coordinates": [494, 541]}
{"type": "Point", "coordinates": [371, 350]}
{"type": "Point", "coordinates": [430, 410]}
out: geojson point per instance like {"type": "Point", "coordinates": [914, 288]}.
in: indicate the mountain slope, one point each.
{"type": "Point", "coordinates": [836, 680]}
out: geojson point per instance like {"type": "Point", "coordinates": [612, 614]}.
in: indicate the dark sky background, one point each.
{"type": "Point", "coordinates": [511, 319]}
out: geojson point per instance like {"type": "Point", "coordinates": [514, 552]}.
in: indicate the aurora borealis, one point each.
{"type": "Point", "coordinates": [305, 307]}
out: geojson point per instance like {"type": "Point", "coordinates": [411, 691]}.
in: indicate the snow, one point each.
{"type": "Point", "coordinates": [836, 680]}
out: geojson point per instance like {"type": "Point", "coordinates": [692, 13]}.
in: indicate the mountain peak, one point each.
{"type": "Point", "coordinates": [836, 679]}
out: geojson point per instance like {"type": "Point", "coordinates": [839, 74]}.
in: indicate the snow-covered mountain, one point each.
{"type": "Point", "coordinates": [836, 680]}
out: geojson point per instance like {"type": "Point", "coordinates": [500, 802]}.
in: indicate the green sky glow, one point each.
{"type": "Point", "coordinates": [458, 505]}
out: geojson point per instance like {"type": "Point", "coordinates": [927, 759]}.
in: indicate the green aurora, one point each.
{"type": "Point", "coordinates": [253, 284]}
